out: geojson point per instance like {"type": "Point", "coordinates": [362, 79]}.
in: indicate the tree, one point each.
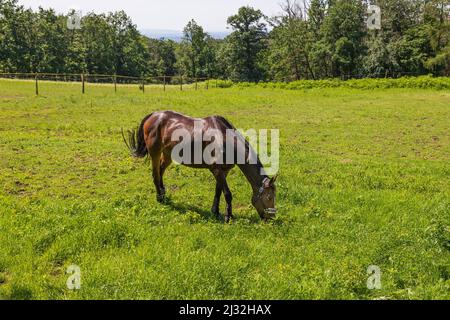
{"type": "Point", "coordinates": [377, 61]}
{"type": "Point", "coordinates": [436, 14]}
{"type": "Point", "coordinates": [290, 45]}
{"type": "Point", "coordinates": [162, 57]}
{"type": "Point", "coordinates": [17, 48]}
{"type": "Point", "coordinates": [74, 52]}
{"type": "Point", "coordinates": [316, 16]}
{"type": "Point", "coordinates": [410, 36]}
{"type": "Point", "coordinates": [210, 68]}
{"type": "Point", "coordinates": [398, 15]}
{"type": "Point", "coordinates": [409, 52]}
{"type": "Point", "coordinates": [343, 31]}
{"type": "Point", "coordinates": [98, 50]}
{"type": "Point", "coordinates": [192, 50]}
{"type": "Point", "coordinates": [129, 46]}
{"type": "Point", "coordinates": [310, 40]}
{"type": "Point", "coordinates": [243, 49]}
{"type": "Point", "coordinates": [440, 64]}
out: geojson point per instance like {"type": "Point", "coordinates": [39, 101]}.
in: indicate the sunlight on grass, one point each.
{"type": "Point", "coordinates": [363, 181]}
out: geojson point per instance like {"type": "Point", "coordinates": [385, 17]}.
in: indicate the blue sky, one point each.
{"type": "Point", "coordinates": [164, 14]}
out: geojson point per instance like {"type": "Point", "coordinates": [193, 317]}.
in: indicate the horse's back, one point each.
{"type": "Point", "coordinates": [163, 130]}
{"type": "Point", "coordinates": [169, 118]}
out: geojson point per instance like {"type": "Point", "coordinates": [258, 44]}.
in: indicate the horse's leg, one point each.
{"type": "Point", "coordinates": [166, 161]}
{"type": "Point", "coordinates": [216, 205]}
{"type": "Point", "coordinates": [156, 172]}
{"type": "Point", "coordinates": [229, 199]}
{"type": "Point", "coordinates": [222, 185]}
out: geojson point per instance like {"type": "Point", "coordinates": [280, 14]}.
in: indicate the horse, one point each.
{"type": "Point", "coordinates": [154, 138]}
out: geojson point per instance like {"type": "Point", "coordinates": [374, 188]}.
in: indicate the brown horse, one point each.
{"type": "Point", "coordinates": [155, 138]}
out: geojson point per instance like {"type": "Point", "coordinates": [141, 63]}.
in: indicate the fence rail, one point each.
{"type": "Point", "coordinates": [164, 81]}
{"type": "Point", "coordinates": [174, 81]}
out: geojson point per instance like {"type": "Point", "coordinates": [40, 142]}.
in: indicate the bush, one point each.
{"type": "Point", "coordinates": [424, 82]}
{"type": "Point", "coordinates": [221, 83]}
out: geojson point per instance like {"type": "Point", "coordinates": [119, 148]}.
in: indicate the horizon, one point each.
{"type": "Point", "coordinates": [169, 16]}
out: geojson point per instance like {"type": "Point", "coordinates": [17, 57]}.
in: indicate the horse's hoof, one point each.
{"type": "Point", "coordinates": [228, 219]}
{"type": "Point", "coordinates": [161, 199]}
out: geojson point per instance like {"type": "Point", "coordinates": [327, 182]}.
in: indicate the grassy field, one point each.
{"type": "Point", "coordinates": [364, 181]}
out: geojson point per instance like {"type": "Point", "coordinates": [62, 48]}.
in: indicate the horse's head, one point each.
{"type": "Point", "coordinates": [264, 199]}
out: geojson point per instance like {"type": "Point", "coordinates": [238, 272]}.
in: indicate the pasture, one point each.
{"type": "Point", "coordinates": [364, 180]}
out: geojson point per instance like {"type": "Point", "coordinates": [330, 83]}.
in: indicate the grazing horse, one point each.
{"type": "Point", "coordinates": [155, 138]}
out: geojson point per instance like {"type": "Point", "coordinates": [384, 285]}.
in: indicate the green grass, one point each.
{"type": "Point", "coordinates": [364, 181]}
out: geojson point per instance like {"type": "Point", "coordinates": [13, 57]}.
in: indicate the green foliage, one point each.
{"type": "Point", "coordinates": [343, 31]}
{"type": "Point", "coordinates": [41, 42]}
{"type": "Point", "coordinates": [363, 181]}
{"type": "Point", "coordinates": [290, 42]}
{"type": "Point", "coordinates": [328, 39]}
{"type": "Point", "coordinates": [129, 47]}
{"type": "Point", "coordinates": [222, 83]}
{"type": "Point", "coordinates": [162, 57]}
{"type": "Point", "coordinates": [425, 82]}
{"type": "Point", "coordinates": [194, 56]}
{"type": "Point", "coordinates": [242, 50]}
{"type": "Point", "coordinates": [440, 63]}
{"type": "Point", "coordinates": [333, 40]}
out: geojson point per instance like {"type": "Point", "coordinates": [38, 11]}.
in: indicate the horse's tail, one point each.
{"type": "Point", "coordinates": [136, 140]}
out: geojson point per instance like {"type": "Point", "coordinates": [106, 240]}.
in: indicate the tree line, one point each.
{"type": "Point", "coordinates": [314, 39]}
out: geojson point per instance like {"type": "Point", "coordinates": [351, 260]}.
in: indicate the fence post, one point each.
{"type": "Point", "coordinates": [82, 83]}
{"type": "Point", "coordinates": [196, 84]}
{"type": "Point", "coordinates": [181, 82]}
{"type": "Point", "coordinates": [143, 85]}
{"type": "Point", "coordinates": [37, 85]}
{"type": "Point", "coordinates": [207, 84]}
{"type": "Point", "coordinates": [164, 83]}
{"type": "Point", "coordinates": [115, 82]}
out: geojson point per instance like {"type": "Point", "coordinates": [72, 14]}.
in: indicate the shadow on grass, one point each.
{"type": "Point", "coordinates": [206, 215]}
{"type": "Point", "coordinates": [20, 293]}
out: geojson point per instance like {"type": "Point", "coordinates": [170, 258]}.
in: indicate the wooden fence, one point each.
{"type": "Point", "coordinates": [179, 81]}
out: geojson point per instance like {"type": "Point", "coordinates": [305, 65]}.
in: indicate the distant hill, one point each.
{"type": "Point", "coordinates": [177, 35]}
